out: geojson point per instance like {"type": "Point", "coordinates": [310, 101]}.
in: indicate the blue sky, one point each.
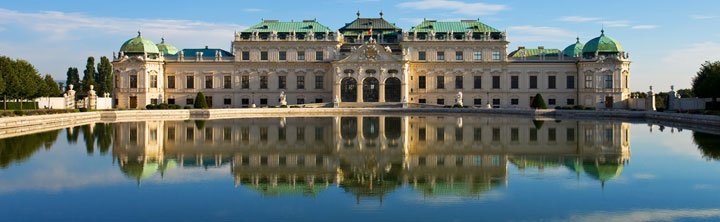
{"type": "Point", "coordinates": [667, 40]}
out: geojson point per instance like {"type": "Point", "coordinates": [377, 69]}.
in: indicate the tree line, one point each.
{"type": "Point", "coordinates": [101, 77]}
{"type": "Point", "coordinates": [20, 81]}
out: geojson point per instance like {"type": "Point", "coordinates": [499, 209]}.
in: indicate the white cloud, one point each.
{"type": "Point", "coordinates": [578, 19]}
{"type": "Point", "coordinates": [529, 33]}
{"type": "Point", "coordinates": [644, 27]}
{"type": "Point", "coordinates": [615, 23]}
{"type": "Point", "coordinates": [649, 215]}
{"type": "Point", "coordinates": [703, 17]}
{"type": "Point", "coordinates": [644, 176]}
{"type": "Point", "coordinates": [472, 9]}
{"type": "Point", "coordinates": [74, 36]}
{"type": "Point", "coordinates": [253, 10]}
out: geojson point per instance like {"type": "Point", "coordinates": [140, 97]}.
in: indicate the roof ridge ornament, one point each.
{"type": "Point", "coordinates": [358, 13]}
{"type": "Point", "coordinates": [381, 14]}
{"type": "Point", "coordinates": [139, 34]}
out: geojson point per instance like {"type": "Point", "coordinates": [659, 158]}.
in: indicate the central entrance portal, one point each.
{"type": "Point", "coordinates": [371, 90]}
{"type": "Point", "coordinates": [348, 90]}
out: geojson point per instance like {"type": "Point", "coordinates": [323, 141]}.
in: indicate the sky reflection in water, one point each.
{"type": "Point", "coordinates": [362, 168]}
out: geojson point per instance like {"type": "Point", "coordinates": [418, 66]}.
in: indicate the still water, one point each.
{"type": "Point", "coordinates": [362, 168]}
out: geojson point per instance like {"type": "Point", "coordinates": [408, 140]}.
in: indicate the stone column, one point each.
{"type": "Point", "coordinates": [382, 93]}
{"type": "Point", "coordinates": [404, 89]}
{"type": "Point", "coordinates": [359, 91]}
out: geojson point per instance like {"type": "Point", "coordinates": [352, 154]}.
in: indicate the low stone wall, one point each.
{"type": "Point", "coordinates": [13, 126]}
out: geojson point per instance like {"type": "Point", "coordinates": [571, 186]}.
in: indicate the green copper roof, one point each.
{"type": "Point", "coordinates": [457, 27]}
{"type": "Point", "coordinates": [166, 49]}
{"type": "Point", "coordinates": [574, 50]}
{"type": "Point", "coordinates": [602, 44]}
{"type": "Point", "coordinates": [298, 27]}
{"type": "Point", "coordinates": [523, 52]}
{"type": "Point", "coordinates": [139, 45]}
{"type": "Point", "coordinates": [365, 24]}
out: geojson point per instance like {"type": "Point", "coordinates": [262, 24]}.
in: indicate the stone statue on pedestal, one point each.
{"type": "Point", "coordinates": [283, 98]}
{"type": "Point", "coordinates": [459, 99]}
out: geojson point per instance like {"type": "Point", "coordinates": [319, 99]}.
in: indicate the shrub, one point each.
{"type": "Point", "coordinates": [18, 112]}
{"type": "Point", "coordinates": [200, 102]}
{"type": "Point", "coordinates": [82, 110]}
{"type": "Point", "coordinates": [457, 106]}
{"type": "Point", "coordinates": [187, 107]}
{"type": "Point", "coordinates": [163, 106]}
{"type": "Point", "coordinates": [538, 102]}
{"type": "Point", "coordinates": [150, 106]}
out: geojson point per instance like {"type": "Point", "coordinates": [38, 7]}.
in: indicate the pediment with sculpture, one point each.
{"type": "Point", "coordinates": [371, 52]}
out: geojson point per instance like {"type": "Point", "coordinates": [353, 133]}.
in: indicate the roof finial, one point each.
{"type": "Point", "coordinates": [139, 34]}
{"type": "Point", "coordinates": [358, 14]}
{"type": "Point", "coordinates": [162, 40]}
{"type": "Point", "coordinates": [578, 39]}
{"type": "Point", "coordinates": [381, 13]}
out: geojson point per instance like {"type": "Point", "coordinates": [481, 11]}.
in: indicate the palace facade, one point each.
{"type": "Point", "coordinates": [371, 61]}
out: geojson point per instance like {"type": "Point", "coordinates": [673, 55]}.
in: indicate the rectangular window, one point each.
{"type": "Point", "coordinates": [533, 82]}
{"type": "Point", "coordinates": [209, 100]}
{"type": "Point", "coordinates": [263, 102]}
{"type": "Point", "coordinates": [570, 82]}
{"type": "Point", "coordinates": [319, 56]}
{"type": "Point", "coordinates": [154, 101]}
{"type": "Point", "coordinates": [477, 134]}
{"type": "Point", "coordinates": [227, 101]}
{"type": "Point", "coordinates": [318, 100]}
{"type": "Point", "coordinates": [171, 101]}
{"type": "Point", "coordinates": [264, 55]}
{"type": "Point", "coordinates": [300, 134]}
{"type": "Point", "coordinates": [552, 134]}
{"type": "Point", "coordinates": [458, 134]}
{"type": "Point", "coordinates": [588, 81]}
{"type": "Point", "coordinates": [496, 102]}
{"type": "Point", "coordinates": [263, 82]}
{"type": "Point", "coordinates": [300, 101]}
{"type": "Point", "coordinates": [459, 55]}
{"type": "Point", "coordinates": [514, 134]}
{"type": "Point", "coordinates": [153, 81]}
{"type": "Point", "coordinates": [190, 133]}
{"type": "Point", "coordinates": [421, 82]}
{"type": "Point", "coordinates": [440, 82]}
{"type": "Point", "coordinates": [570, 102]}
{"type": "Point", "coordinates": [171, 82]}
{"type": "Point", "coordinates": [495, 134]}
{"type": "Point", "coordinates": [301, 55]}
{"type": "Point", "coordinates": [133, 81]}
{"type": "Point", "coordinates": [246, 55]}
{"type": "Point", "coordinates": [608, 82]}
{"type": "Point", "coordinates": [440, 56]}
{"type": "Point", "coordinates": [244, 102]}
{"type": "Point", "coordinates": [496, 82]}
{"type": "Point", "coordinates": [477, 56]}
{"type": "Point", "coordinates": [301, 82]}
{"type": "Point", "coordinates": [533, 134]}
{"type": "Point", "coordinates": [477, 101]}
{"type": "Point", "coordinates": [570, 134]}
{"type": "Point", "coordinates": [551, 102]}
{"type": "Point", "coordinates": [319, 82]}
{"type": "Point", "coordinates": [441, 101]}
{"type": "Point", "coordinates": [422, 56]}
{"type": "Point", "coordinates": [227, 82]}
{"type": "Point", "coordinates": [282, 55]}
{"type": "Point", "coordinates": [208, 82]}
{"type": "Point", "coordinates": [171, 133]}
{"type": "Point", "coordinates": [496, 56]}
{"type": "Point", "coordinates": [282, 82]}
{"type": "Point", "coordinates": [422, 101]}
{"type": "Point", "coordinates": [551, 82]}
{"type": "Point", "coordinates": [514, 82]}
{"type": "Point", "coordinates": [190, 82]}
{"type": "Point", "coordinates": [319, 136]}
{"type": "Point", "coordinates": [440, 133]}
{"type": "Point", "coordinates": [245, 82]}
{"type": "Point", "coordinates": [421, 134]}
{"type": "Point", "coordinates": [189, 102]}
{"type": "Point", "coordinates": [458, 82]}
{"type": "Point", "coordinates": [514, 101]}
{"type": "Point", "coordinates": [477, 82]}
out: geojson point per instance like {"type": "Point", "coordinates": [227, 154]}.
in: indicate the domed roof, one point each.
{"type": "Point", "coordinates": [139, 45]}
{"type": "Point", "coordinates": [602, 44]}
{"type": "Point", "coordinates": [166, 49]}
{"type": "Point", "coordinates": [574, 50]}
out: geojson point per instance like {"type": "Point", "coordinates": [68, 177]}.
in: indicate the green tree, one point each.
{"type": "Point", "coordinates": [705, 83]}
{"type": "Point", "coordinates": [709, 145]}
{"type": "Point", "coordinates": [538, 102]}
{"type": "Point", "coordinates": [51, 88]}
{"type": "Point", "coordinates": [30, 81]}
{"type": "Point", "coordinates": [9, 73]}
{"type": "Point", "coordinates": [2, 86]}
{"type": "Point", "coordinates": [686, 93]}
{"type": "Point", "coordinates": [104, 80]}
{"type": "Point", "coordinates": [200, 102]}
{"type": "Point", "coordinates": [73, 77]}
{"type": "Point", "coordinates": [89, 75]}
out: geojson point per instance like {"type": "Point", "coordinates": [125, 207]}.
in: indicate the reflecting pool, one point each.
{"type": "Point", "coordinates": [362, 168]}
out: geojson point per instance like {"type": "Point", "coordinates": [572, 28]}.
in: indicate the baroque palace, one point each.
{"type": "Point", "coordinates": [370, 60]}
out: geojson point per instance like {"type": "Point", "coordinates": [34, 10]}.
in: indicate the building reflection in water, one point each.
{"type": "Point", "coordinates": [370, 156]}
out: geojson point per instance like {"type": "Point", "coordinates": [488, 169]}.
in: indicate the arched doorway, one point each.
{"type": "Point", "coordinates": [371, 89]}
{"type": "Point", "coordinates": [348, 90]}
{"type": "Point", "coordinates": [392, 90]}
